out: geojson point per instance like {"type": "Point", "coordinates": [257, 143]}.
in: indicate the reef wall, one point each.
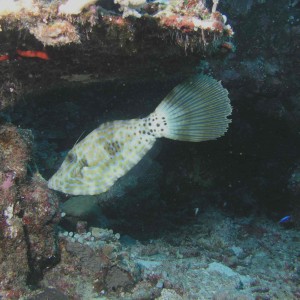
{"type": "Point", "coordinates": [29, 215]}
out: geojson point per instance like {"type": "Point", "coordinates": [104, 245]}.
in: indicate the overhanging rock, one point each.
{"type": "Point", "coordinates": [53, 43]}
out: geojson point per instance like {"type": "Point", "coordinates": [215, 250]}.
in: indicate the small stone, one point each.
{"type": "Point", "coordinates": [160, 284]}
{"type": "Point", "coordinates": [238, 251]}
{"type": "Point", "coordinates": [96, 232]}
{"type": "Point", "coordinates": [167, 294]}
{"type": "Point", "coordinates": [81, 226]}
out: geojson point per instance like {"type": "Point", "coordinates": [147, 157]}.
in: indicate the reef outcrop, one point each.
{"type": "Point", "coordinates": [49, 43]}
{"type": "Point", "coordinates": [28, 215]}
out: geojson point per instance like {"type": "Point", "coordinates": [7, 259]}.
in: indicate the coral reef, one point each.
{"type": "Point", "coordinates": [28, 216]}
{"type": "Point", "coordinates": [130, 7]}
{"type": "Point", "coordinates": [41, 18]}
{"type": "Point", "coordinates": [74, 7]}
{"type": "Point", "coordinates": [106, 41]}
{"type": "Point", "coordinates": [217, 257]}
{"type": "Point", "coordinates": [204, 220]}
{"type": "Point", "coordinates": [60, 32]}
{"type": "Point", "coordinates": [93, 260]}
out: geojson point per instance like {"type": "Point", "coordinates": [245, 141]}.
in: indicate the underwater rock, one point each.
{"type": "Point", "coordinates": [49, 294]}
{"type": "Point", "coordinates": [95, 261]}
{"type": "Point", "coordinates": [58, 33]}
{"type": "Point", "coordinates": [48, 44]}
{"type": "Point", "coordinates": [40, 217]}
{"type": "Point", "coordinates": [43, 20]}
{"type": "Point", "coordinates": [14, 155]}
{"type": "Point", "coordinates": [168, 294]}
{"type": "Point", "coordinates": [81, 207]}
{"type": "Point", "coordinates": [28, 214]}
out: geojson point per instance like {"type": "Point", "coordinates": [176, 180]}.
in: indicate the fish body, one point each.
{"type": "Point", "coordinates": [195, 111]}
{"type": "Point", "coordinates": [103, 156]}
{"type": "Point", "coordinates": [33, 54]}
{"type": "Point", "coordinates": [285, 219]}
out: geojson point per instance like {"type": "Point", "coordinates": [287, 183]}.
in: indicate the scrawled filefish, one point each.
{"type": "Point", "coordinates": [193, 111]}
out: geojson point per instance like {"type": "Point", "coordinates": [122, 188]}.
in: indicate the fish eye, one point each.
{"type": "Point", "coordinates": [71, 157]}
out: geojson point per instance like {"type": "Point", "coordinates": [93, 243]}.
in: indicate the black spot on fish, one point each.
{"type": "Point", "coordinates": [71, 157]}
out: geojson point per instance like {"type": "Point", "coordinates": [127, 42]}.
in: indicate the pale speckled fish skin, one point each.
{"type": "Point", "coordinates": [194, 111]}
{"type": "Point", "coordinates": [106, 154]}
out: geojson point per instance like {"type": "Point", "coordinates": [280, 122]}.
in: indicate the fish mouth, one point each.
{"type": "Point", "coordinates": [54, 184]}
{"type": "Point", "coordinates": [55, 187]}
{"type": "Point", "coordinates": [50, 184]}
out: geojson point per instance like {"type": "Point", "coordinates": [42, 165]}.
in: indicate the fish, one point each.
{"type": "Point", "coordinates": [4, 57]}
{"type": "Point", "coordinates": [33, 54]}
{"type": "Point", "coordinates": [25, 53]}
{"type": "Point", "coordinates": [194, 111]}
{"type": "Point", "coordinates": [285, 219]}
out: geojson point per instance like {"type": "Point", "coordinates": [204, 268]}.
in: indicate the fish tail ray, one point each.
{"type": "Point", "coordinates": [194, 111]}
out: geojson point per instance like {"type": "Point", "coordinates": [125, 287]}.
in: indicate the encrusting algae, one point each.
{"type": "Point", "coordinates": [194, 111]}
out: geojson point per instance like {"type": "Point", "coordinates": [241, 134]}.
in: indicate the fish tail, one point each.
{"type": "Point", "coordinates": [193, 111]}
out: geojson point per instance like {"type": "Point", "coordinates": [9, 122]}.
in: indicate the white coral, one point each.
{"type": "Point", "coordinates": [130, 7]}
{"type": "Point", "coordinates": [8, 7]}
{"type": "Point", "coordinates": [12, 230]}
{"type": "Point", "coordinates": [74, 7]}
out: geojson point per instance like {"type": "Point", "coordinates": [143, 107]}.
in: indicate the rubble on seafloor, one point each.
{"type": "Point", "coordinates": [186, 264]}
